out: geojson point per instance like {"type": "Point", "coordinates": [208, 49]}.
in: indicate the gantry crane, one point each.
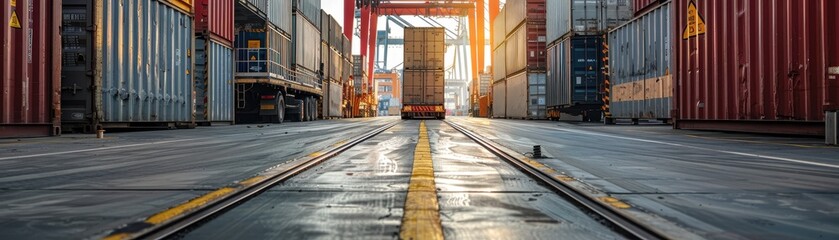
{"type": "Point", "coordinates": [370, 10]}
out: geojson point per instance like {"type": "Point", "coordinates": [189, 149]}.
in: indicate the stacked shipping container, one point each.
{"type": "Point", "coordinates": [575, 79]}
{"type": "Point", "coordinates": [214, 61]}
{"type": "Point", "coordinates": [332, 63]}
{"type": "Point", "coordinates": [640, 65]}
{"type": "Point", "coordinates": [519, 60]}
{"type": "Point", "coordinates": [424, 78]}
{"type": "Point", "coordinates": [30, 69]}
{"type": "Point", "coordinates": [115, 76]}
{"type": "Point", "coordinates": [762, 66]}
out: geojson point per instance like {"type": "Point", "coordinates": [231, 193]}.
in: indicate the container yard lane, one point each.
{"type": "Point", "coordinates": [76, 186]}
{"type": "Point", "coordinates": [689, 183]}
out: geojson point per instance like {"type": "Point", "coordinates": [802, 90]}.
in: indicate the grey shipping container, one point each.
{"type": "Point", "coordinates": [213, 81]}
{"type": "Point", "coordinates": [306, 45]}
{"type": "Point", "coordinates": [278, 13]}
{"type": "Point", "coordinates": [336, 33]}
{"type": "Point", "coordinates": [346, 48]}
{"type": "Point", "coordinates": [324, 26]}
{"type": "Point", "coordinates": [525, 96]}
{"type": "Point", "coordinates": [640, 64]}
{"type": "Point", "coordinates": [137, 64]}
{"type": "Point", "coordinates": [575, 77]}
{"type": "Point", "coordinates": [424, 48]}
{"type": "Point", "coordinates": [309, 8]}
{"type": "Point", "coordinates": [585, 17]}
{"type": "Point", "coordinates": [499, 99]}
{"type": "Point", "coordinates": [332, 99]}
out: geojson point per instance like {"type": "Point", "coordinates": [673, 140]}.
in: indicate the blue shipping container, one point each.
{"type": "Point", "coordinates": [213, 81]}
{"type": "Point", "coordinates": [262, 53]}
{"type": "Point", "coordinates": [575, 75]}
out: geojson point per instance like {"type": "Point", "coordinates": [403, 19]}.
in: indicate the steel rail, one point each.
{"type": "Point", "coordinates": [620, 222]}
{"type": "Point", "coordinates": [178, 225]}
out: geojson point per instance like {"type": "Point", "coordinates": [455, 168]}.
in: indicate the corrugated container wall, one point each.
{"type": "Point", "coordinates": [215, 17]}
{"type": "Point", "coordinates": [324, 26]}
{"type": "Point", "coordinates": [751, 65]}
{"type": "Point", "coordinates": [269, 47]}
{"type": "Point", "coordinates": [423, 87]}
{"type": "Point", "coordinates": [499, 99]}
{"type": "Point", "coordinates": [525, 48]}
{"type": "Point", "coordinates": [120, 75]}
{"type": "Point", "coordinates": [499, 56]}
{"type": "Point", "coordinates": [575, 74]}
{"type": "Point", "coordinates": [213, 81]}
{"type": "Point", "coordinates": [279, 14]}
{"type": "Point", "coordinates": [306, 44]}
{"type": "Point", "coordinates": [309, 8]}
{"type": "Point", "coordinates": [641, 6]}
{"type": "Point", "coordinates": [184, 6]}
{"type": "Point", "coordinates": [30, 64]}
{"type": "Point", "coordinates": [425, 48]}
{"type": "Point", "coordinates": [640, 64]}
{"type": "Point", "coordinates": [585, 17]}
{"type": "Point", "coordinates": [499, 33]}
{"type": "Point", "coordinates": [346, 48]}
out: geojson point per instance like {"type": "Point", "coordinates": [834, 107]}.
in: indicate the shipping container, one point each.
{"type": "Point", "coordinates": [306, 51]}
{"type": "Point", "coordinates": [516, 12]}
{"type": "Point", "coordinates": [119, 77]}
{"type": "Point", "coordinates": [640, 65]}
{"type": "Point", "coordinates": [215, 18]}
{"type": "Point", "coordinates": [525, 49]}
{"type": "Point", "coordinates": [262, 52]}
{"type": "Point", "coordinates": [310, 9]}
{"type": "Point", "coordinates": [756, 66]}
{"type": "Point", "coordinates": [30, 69]}
{"type": "Point", "coordinates": [499, 56]}
{"type": "Point", "coordinates": [642, 6]}
{"type": "Point", "coordinates": [184, 6]}
{"type": "Point", "coordinates": [324, 26]}
{"type": "Point", "coordinates": [346, 48]}
{"type": "Point", "coordinates": [525, 96]}
{"type": "Point", "coordinates": [423, 94]}
{"type": "Point", "coordinates": [585, 17]}
{"type": "Point", "coordinates": [277, 13]}
{"type": "Point", "coordinates": [359, 74]}
{"type": "Point", "coordinates": [575, 77]}
{"type": "Point", "coordinates": [499, 33]}
{"type": "Point", "coordinates": [213, 81]}
{"type": "Point", "coordinates": [483, 106]}
{"type": "Point", "coordinates": [336, 33]}
{"type": "Point", "coordinates": [499, 99]}
{"type": "Point", "coordinates": [484, 84]}
{"type": "Point", "coordinates": [332, 99]}
{"type": "Point", "coordinates": [424, 48]}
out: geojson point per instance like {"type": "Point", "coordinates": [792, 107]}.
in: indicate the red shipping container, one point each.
{"type": "Point", "coordinates": [215, 17]}
{"type": "Point", "coordinates": [641, 6]}
{"type": "Point", "coordinates": [30, 69]}
{"type": "Point", "coordinates": [755, 65]}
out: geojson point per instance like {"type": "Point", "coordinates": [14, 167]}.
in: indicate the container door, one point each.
{"type": "Point", "coordinates": [76, 76]}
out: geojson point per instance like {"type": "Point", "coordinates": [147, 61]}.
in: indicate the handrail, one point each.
{"type": "Point", "coordinates": [267, 62]}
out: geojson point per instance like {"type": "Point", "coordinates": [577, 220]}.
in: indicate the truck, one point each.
{"type": "Point", "coordinates": [423, 88]}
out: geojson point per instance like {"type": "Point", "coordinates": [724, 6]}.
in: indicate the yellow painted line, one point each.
{"type": "Point", "coordinates": [614, 202]}
{"type": "Point", "coordinates": [118, 236]}
{"type": "Point", "coordinates": [251, 181]}
{"type": "Point", "coordinates": [315, 154]}
{"type": "Point", "coordinates": [421, 219]}
{"type": "Point", "coordinates": [191, 204]}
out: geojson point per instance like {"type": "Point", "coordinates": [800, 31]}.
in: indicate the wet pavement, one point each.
{"type": "Point", "coordinates": [715, 185]}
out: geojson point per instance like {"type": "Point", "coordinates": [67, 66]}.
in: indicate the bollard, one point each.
{"type": "Point", "coordinates": [100, 134]}
{"type": "Point", "coordinates": [537, 151]}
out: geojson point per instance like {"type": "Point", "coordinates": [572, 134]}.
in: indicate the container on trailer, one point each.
{"type": "Point", "coordinates": [424, 48]}
{"type": "Point", "coordinates": [306, 50]}
{"type": "Point", "coordinates": [332, 99]}
{"type": "Point", "coordinates": [310, 9]}
{"type": "Point", "coordinates": [499, 33]}
{"type": "Point", "coordinates": [499, 99]}
{"type": "Point", "coordinates": [640, 66]}
{"type": "Point", "coordinates": [215, 19]}
{"type": "Point", "coordinates": [116, 76]}
{"type": "Point", "coordinates": [499, 57]}
{"type": "Point", "coordinates": [756, 66]}
{"type": "Point", "coordinates": [30, 69]}
{"type": "Point", "coordinates": [575, 76]}
{"type": "Point", "coordinates": [324, 26]}
{"type": "Point", "coordinates": [347, 48]}
{"type": "Point", "coordinates": [277, 13]}
{"type": "Point", "coordinates": [525, 96]}
{"type": "Point", "coordinates": [213, 81]}
{"type": "Point", "coordinates": [423, 93]}
{"type": "Point", "coordinates": [262, 52]}
{"type": "Point", "coordinates": [335, 66]}
{"type": "Point", "coordinates": [525, 49]}
{"type": "Point", "coordinates": [336, 33]}
{"type": "Point", "coordinates": [520, 11]}
{"type": "Point", "coordinates": [585, 17]}
{"type": "Point", "coordinates": [325, 59]}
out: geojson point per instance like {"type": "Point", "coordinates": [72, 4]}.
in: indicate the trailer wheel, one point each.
{"type": "Point", "coordinates": [280, 109]}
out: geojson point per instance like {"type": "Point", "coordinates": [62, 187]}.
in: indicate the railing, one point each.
{"type": "Point", "coordinates": [266, 62]}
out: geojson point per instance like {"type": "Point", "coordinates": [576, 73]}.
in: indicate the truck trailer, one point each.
{"type": "Point", "coordinates": [424, 83]}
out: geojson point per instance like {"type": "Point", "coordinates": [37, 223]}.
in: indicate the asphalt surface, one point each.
{"type": "Point", "coordinates": [714, 185]}
{"type": "Point", "coordinates": [361, 193]}
{"type": "Point", "coordinates": [76, 186]}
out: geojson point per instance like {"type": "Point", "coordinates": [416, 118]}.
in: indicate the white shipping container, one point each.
{"type": "Point", "coordinates": [516, 57]}
{"type": "Point", "coordinates": [499, 64]}
{"type": "Point", "coordinates": [499, 33]}
{"type": "Point", "coordinates": [424, 48]}
{"type": "Point", "coordinates": [307, 44]}
{"type": "Point", "coordinates": [517, 96]}
{"type": "Point", "coordinates": [516, 12]}
{"type": "Point", "coordinates": [499, 99]}
{"type": "Point", "coordinates": [585, 17]}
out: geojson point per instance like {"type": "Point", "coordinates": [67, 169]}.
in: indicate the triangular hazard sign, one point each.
{"type": "Point", "coordinates": [14, 22]}
{"type": "Point", "coordinates": [695, 23]}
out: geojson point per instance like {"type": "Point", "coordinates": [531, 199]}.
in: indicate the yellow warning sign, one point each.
{"type": "Point", "coordinates": [253, 58]}
{"type": "Point", "coordinates": [254, 44]}
{"type": "Point", "coordinates": [14, 22]}
{"type": "Point", "coordinates": [695, 25]}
